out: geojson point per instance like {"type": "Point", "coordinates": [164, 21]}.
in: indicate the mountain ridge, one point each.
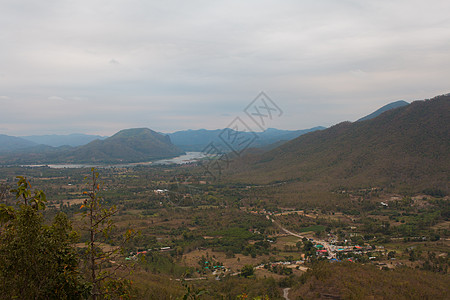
{"type": "Point", "coordinates": [197, 140]}
{"type": "Point", "coordinates": [383, 109]}
{"type": "Point", "coordinates": [57, 140]}
{"type": "Point", "coordinates": [13, 143]}
{"type": "Point", "coordinates": [404, 146]}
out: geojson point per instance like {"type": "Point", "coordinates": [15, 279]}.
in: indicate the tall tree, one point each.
{"type": "Point", "coordinates": [103, 261]}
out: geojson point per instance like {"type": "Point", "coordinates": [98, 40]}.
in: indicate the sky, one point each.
{"type": "Point", "coordinates": [100, 66]}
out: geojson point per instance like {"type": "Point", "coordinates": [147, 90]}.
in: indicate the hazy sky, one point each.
{"type": "Point", "coordinates": [99, 66]}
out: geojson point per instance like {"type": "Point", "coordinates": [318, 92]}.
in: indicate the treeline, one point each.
{"type": "Point", "coordinates": [38, 259]}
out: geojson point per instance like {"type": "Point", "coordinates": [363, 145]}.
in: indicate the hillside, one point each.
{"type": "Point", "coordinates": [408, 146]}
{"type": "Point", "coordinates": [356, 281]}
{"type": "Point", "coordinates": [12, 143]}
{"type": "Point", "coordinates": [129, 145]}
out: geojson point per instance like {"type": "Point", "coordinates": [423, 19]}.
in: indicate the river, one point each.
{"type": "Point", "coordinates": [182, 159]}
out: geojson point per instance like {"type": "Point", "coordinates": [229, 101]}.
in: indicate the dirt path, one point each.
{"type": "Point", "coordinates": [286, 293]}
{"type": "Point", "coordinates": [324, 243]}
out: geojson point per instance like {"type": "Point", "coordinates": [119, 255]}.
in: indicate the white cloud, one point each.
{"type": "Point", "coordinates": [207, 58]}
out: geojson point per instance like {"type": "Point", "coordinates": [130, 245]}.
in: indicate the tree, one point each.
{"type": "Point", "coordinates": [192, 293]}
{"type": "Point", "coordinates": [299, 245]}
{"type": "Point", "coordinates": [247, 271]}
{"type": "Point", "coordinates": [37, 261]}
{"type": "Point", "coordinates": [101, 260]}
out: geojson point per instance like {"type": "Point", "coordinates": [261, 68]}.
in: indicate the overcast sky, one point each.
{"type": "Point", "coordinates": [99, 66]}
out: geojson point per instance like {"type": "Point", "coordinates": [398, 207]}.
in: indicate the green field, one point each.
{"type": "Point", "coordinates": [315, 228]}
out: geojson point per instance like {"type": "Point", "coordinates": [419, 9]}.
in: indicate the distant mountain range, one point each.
{"type": "Point", "coordinates": [130, 145]}
{"type": "Point", "coordinates": [55, 140]}
{"type": "Point", "coordinates": [12, 143]}
{"type": "Point", "coordinates": [187, 140]}
{"type": "Point", "coordinates": [404, 147]}
{"type": "Point", "coordinates": [134, 145]}
{"type": "Point", "coordinates": [197, 140]}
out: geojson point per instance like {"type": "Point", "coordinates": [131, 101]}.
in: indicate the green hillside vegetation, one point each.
{"type": "Point", "coordinates": [407, 147]}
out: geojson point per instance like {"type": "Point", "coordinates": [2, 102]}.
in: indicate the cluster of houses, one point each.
{"type": "Point", "coordinates": [334, 252]}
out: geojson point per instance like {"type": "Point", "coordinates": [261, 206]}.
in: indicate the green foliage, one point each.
{"type": "Point", "coordinates": [315, 228]}
{"type": "Point", "coordinates": [192, 293]}
{"type": "Point", "coordinates": [247, 271]}
{"type": "Point", "coordinates": [37, 199]}
{"type": "Point", "coordinates": [278, 269]}
{"type": "Point", "coordinates": [241, 288]}
{"type": "Point", "coordinates": [157, 262]}
{"type": "Point", "coordinates": [235, 240]}
{"type": "Point", "coordinates": [37, 261]}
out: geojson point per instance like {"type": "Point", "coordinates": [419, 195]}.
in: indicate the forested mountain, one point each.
{"type": "Point", "coordinates": [129, 145]}
{"type": "Point", "coordinates": [407, 146]}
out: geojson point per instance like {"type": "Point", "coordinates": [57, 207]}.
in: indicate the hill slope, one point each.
{"type": "Point", "coordinates": [383, 109]}
{"type": "Point", "coordinates": [408, 146]}
{"type": "Point", "coordinates": [129, 145]}
{"type": "Point", "coordinates": [12, 143]}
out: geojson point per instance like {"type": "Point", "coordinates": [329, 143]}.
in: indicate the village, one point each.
{"type": "Point", "coordinates": [309, 248]}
